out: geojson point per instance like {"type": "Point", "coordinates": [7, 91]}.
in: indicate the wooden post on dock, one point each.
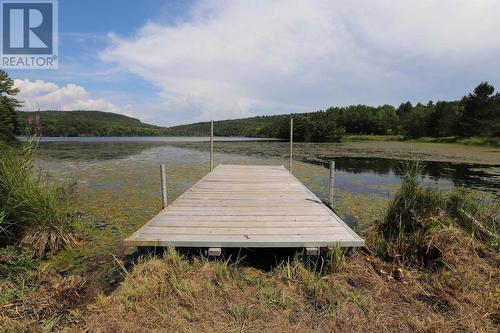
{"type": "Point", "coordinates": [291, 144]}
{"type": "Point", "coordinates": [164, 198]}
{"type": "Point", "coordinates": [331, 183]}
{"type": "Point", "coordinates": [211, 145]}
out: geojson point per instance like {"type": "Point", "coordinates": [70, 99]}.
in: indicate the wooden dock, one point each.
{"type": "Point", "coordinates": [246, 206]}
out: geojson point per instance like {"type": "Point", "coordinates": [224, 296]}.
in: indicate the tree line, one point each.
{"type": "Point", "coordinates": [476, 114]}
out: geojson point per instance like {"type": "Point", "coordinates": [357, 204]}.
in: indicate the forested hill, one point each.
{"type": "Point", "coordinates": [97, 123]}
{"type": "Point", "coordinates": [87, 123]}
{"type": "Point", "coordinates": [476, 114]}
{"type": "Point", "coordinates": [261, 126]}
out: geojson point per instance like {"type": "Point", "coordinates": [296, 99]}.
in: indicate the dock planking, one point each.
{"type": "Point", "coordinates": [246, 206]}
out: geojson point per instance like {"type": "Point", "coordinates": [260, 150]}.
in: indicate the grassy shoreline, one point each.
{"type": "Point", "coordinates": [469, 141]}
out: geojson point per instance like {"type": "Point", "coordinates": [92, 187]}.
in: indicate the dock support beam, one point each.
{"type": "Point", "coordinates": [211, 145]}
{"type": "Point", "coordinates": [312, 251]}
{"type": "Point", "coordinates": [163, 175]}
{"type": "Point", "coordinates": [214, 251]}
{"type": "Point", "coordinates": [331, 183]}
{"type": "Point", "coordinates": [291, 145]}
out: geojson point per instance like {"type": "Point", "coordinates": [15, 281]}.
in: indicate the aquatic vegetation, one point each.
{"type": "Point", "coordinates": [472, 141]}
{"type": "Point", "coordinates": [119, 193]}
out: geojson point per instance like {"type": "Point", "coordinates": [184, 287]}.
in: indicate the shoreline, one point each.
{"type": "Point", "coordinates": [493, 142]}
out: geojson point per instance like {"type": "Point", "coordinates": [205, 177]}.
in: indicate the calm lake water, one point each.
{"type": "Point", "coordinates": [118, 185]}
{"type": "Point", "coordinates": [354, 174]}
{"type": "Point", "coordinates": [146, 139]}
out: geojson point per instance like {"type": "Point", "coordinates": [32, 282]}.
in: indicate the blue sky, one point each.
{"type": "Point", "coordinates": [171, 62]}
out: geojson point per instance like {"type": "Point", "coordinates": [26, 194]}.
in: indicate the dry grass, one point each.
{"type": "Point", "coordinates": [356, 292]}
{"type": "Point", "coordinates": [47, 301]}
{"type": "Point", "coordinates": [364, 294]}
{"type": "Point", "coordinates": [39, 240]}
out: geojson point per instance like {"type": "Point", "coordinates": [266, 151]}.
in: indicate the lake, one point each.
{"type": "Point", "coordinates": [118, 185]}
{"type": "Point", "coordinates": [145, 139]}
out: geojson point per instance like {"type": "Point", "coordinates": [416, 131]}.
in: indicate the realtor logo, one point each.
{"type": "Point", "coordinates": [29, 34]}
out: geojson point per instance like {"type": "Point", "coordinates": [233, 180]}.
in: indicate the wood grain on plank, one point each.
{"type": "Point", "coordinates": [246, 206]}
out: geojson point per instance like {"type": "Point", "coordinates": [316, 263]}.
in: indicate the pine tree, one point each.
{"type": "Point", "coordinates": [481, 112]}
{"type": "Point", "coordinates": [9, 125]}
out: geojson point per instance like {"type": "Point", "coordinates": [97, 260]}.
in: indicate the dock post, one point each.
{"type": "Point", "coordinates": [164, 197]}
{"type": "Point", "coordinates": [214, 251]}
{"type": "Point", "coordinates": [291, 145]}
{"type": "Point", "coordinates": [331, 183]}
{"type": "Point", "coordinates": [211, 145]}
{"type": "Point", "coordinates": [312, 251]}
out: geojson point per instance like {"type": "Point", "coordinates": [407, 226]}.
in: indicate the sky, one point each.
{"type": "Point", "coordinates": [174, 62]}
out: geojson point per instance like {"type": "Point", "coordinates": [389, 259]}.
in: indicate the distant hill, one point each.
{"type": "Point", "coordinates": [98, 123]}
{"type": "Point", "coordinates": [260, 126]}
{"type": "Point", "coordinates": [89, 123]}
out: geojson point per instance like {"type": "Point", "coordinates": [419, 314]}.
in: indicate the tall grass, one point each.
{"type": "Point", "coordinates": [330, 260]}
{"type": "Point", "coordinates": [33, 213]}
{"type": "Point", "coordinates": [418, 217]}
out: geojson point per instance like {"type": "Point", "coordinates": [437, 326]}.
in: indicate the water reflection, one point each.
{"type": "Point", "coordinates": [479, 176]}
{"type": "Point", "coordinates": [354, 174]}
{"type": "Point", "coordinates": [85, 151]}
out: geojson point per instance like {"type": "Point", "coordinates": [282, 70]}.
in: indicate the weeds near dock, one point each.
{"type": "Point", "coordinates": [419, 220]}
{"type": "Point", "coordinates": [33, 213]}
{"type": "Point", "coordinates": [330, 260]}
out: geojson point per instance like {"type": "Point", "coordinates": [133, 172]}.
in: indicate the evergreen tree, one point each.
{"type": "Point", "coordinates": [481, 114]}
{"type": "Point", "coordinates": [9, 125]}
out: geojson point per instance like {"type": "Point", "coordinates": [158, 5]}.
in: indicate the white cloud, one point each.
{"type": "Point", "coordinates": [49, 96]}
{"type": "Point", "coordinates": [229, 58]}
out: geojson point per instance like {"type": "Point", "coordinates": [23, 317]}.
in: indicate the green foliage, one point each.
{"type": "Point", "coordinates": [262, 126]}
{"type": "Point", "coordinates": [17, 269]}
{"type": "Point", "coordinates": [444, 119]}
{"type": "Point", "coordinates": [13, 263]}
{"type": "Point", "coordinates": [416, 122]}
{"type": "Point", "coordinates": [319, 126]}
{"type": "Point", "coordinates": [89, 123]}
{"type": "Point", "coordinates": [477, 114]}
{"type": "Point", "coordinates": [33, 212]}
{"type": "Point", "coordinates": [481, 112]}
{"type": "Point", "coordinates": [330, 260]}
{"type": "Point", "coordinates": [8, 117]}
{"type": "Point", "coordinates": [471, 141]}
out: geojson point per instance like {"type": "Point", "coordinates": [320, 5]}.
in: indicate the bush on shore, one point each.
{"type": "Point", "coordinates": [33, 213]}
{"type": "Point", "coordinates": [419, 220]}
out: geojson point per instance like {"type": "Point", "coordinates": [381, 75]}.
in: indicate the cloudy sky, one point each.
{"type": "Point", "coordinates": [172, 62]}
